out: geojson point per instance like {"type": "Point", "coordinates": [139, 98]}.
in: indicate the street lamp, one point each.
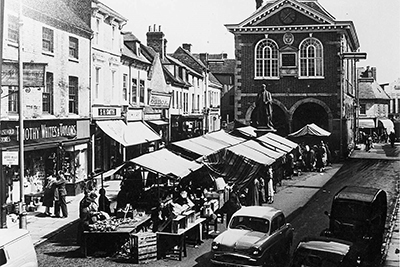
{"type": "Point", "coordinates": [355, 56]}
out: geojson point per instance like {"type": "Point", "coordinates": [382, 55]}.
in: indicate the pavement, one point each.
{"type": "Point", "coordinates": [290, 197]}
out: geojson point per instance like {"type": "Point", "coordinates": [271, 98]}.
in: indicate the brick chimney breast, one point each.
{"type": "Point", "coordinates": [155, 40]}
{"type": "Point", "coordinates": [187, 47]}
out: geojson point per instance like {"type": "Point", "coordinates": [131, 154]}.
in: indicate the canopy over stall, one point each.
{"type": "Point", "coordinates": [279, 142]}
{"type": "Point", "coordinates": [166, 163]}
{"type": "Point", "coordinates": [387, 124]}
{"type": "Point", "coordinates": [207, 144]}
{"type": "Point", "coordinates": [310, 130]}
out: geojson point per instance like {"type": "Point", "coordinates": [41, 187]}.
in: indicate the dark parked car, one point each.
{"type": "Point", "coordinates": [256, 236]}
{"type": "Point", "coordinates": [358, 215]}
{"type": "Point", "coordinates": [325, 252]}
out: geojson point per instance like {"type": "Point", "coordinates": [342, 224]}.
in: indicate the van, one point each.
{"type": "Point", "coordinates": [16, 249]}
{"type": "Point", "coordinates": [358, 215]}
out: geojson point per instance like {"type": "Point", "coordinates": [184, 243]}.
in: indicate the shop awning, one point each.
{"type": "Point", "coordinates": [278, 141]}
{"type": "Point", "coordinates": [139, 133]}
{"type": "Point", "coordinates": [387, 124]}
{"type": "Point", "coordinates": [224, 137]}
{"type": "Point", "coordinates": [115, 129]}
{"type": "Point", "coordinates": [256, 151]}
{"type": "Point", "coordinates": [158, 122]}
{"type": "Point", "coordinates": [366, 123]}
{"type": "Point", "coordinates": [194, 147]}
{"type": "Point", "coordinates": [166, 163]}
{"type": "Point", "coordinates": [247, 130]}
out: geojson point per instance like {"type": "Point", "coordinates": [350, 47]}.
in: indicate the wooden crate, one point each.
{"type": "Point", "coordinates": [144, 247]}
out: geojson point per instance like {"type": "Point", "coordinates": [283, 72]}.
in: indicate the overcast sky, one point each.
{"type": "Point", "coordinates": [201, 23]}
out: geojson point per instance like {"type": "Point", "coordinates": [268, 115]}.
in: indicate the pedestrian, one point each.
{"type": "Point", "coordinates": [82, 205]}
{"type": "Point", "coordinates": [230, 207]}
{"type": "Point", "coordinates": [392, 138]}
{"type": "Point", "coordinates": [48, 194]}
{"type": "Point", "coordinates": [263, 196]}
{"type": "Point", "coordinates": [256, 192]}
{"type": "Point", "coordinates": [270, 186]}
{"type": "Point", "coordinates": [324, 154]}
{"type": "Point", "coordinates": [289, 166]}
{"type": "Point", "coordinates": [104, 202]}
{"type": "Point", "coordinates": [319, 164]}
{"type": "Point", "coordinates": [61, 203]}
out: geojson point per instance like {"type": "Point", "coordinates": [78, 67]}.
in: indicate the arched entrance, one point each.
{"type": "Point", "coordinates": [310, 112]}
{"type": "Point", "coordinates": [280, 117]}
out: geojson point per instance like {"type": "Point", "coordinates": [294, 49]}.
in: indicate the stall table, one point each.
{"type": "Point", "coordinates": [109, 242]}
{"type": "Point", "coordinates": [175, 243]}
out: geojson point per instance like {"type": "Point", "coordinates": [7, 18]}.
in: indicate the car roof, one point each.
{"type": "Point", "coordinates": [364, 194]}
{"type": "Point", "coordinates": [9, 235]}
{"type": "Point", "coordinates": [330, 245]}
{"type": "Point", "coordinates": [264, 212]}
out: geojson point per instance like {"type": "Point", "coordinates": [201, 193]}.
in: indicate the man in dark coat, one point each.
{"type": "Point", "coordinates": [61, 204]}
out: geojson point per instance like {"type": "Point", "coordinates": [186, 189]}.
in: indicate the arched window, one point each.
{"type": "Point", "coordinates": [311, 58]}
{"type": "Point", "coordinates": [266, 59]}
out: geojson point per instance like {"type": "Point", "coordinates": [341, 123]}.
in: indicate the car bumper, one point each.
{"type": "Point", "coordinates": [233, 259]}
{"type": "Point", "coordinates": [229, 264]}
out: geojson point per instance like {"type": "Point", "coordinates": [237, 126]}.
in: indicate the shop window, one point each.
{"type": "Point", "coordinates": [97, 83]}
{"type": "Point", "coordinates": [73, 94]}
{"type": "Point", "coordinates": [311, 58]}
{"type": "Point", "coordinates": [48, 93]}
{"type": "Point", "coordinates": [47, 40]}
{"type": "Point", "coordinates": [13, 29]}
{"type": "Point", "coordinates": [13, 99]}
{"type": "Point", "coordinates": [266, 59]}
{"type": "Point", "coordinates": [73, 47]}
{"type": "Point", "coordinates": [363, 109]}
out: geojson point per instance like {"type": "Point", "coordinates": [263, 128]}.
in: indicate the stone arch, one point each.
{"type": "Point", "coordinates": [315, 101]}
{"type": "Point", "coordinates": [278, 108]}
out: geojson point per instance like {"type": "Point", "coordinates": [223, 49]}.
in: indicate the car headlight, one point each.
{"type": "Point", "coordinates": [214, 246]}
{"type": "Point", "coordinates": [256, 251]}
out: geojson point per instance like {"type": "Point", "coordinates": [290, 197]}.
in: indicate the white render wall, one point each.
{"type": "Point", "coordinates": [58, 63]}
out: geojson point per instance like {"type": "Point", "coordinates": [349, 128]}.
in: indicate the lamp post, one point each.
{"type": "Point", "coordinates": [355, 56]}
{"type": "Point", "coordinates": [22, 211]}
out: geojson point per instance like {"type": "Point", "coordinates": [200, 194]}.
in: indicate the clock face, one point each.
{"type": "Point", "coordinates": [287, 15]}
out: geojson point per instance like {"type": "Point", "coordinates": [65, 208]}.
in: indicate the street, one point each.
{"type": "Point", "coordinates": [62, 248]}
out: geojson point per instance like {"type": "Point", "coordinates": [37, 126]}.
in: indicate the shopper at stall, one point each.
{"type": "Point", "coordinates": [230, 207]}
{"type": "Point", "coordinates": [104, 202]}
{"type": "Point", "coordinates": [392, 138]}
{"type": "Point", "coordinates": [48, 194]}
{"type": "Point", "coordinates": [182, 203]}
{"type": "Point", "coordinates": [61, 203]}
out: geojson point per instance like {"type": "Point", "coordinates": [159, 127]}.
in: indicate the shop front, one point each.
{"type": "Point", "coordinates": [184, 127]}
{"type": "Point", "coordinates": [50, 146]}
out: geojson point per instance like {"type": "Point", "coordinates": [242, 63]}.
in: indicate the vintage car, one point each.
{"type": "Point", "coordinates": [325, 252]}
{"type": "Point", "coordinates": [256, 236]}
{"type": "Point", "coordinates": [358, 215]}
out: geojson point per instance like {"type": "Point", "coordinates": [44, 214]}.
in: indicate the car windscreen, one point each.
{"type": "Point", "coordinates": [250, 223]}
{"type": "Point", "coordinates": [351, 210]}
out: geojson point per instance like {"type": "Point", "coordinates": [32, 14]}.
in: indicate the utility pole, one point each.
{"type": "Point", "coordinates": [22, 211]}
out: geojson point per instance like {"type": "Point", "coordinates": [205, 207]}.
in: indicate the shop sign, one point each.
{"type": "Point", "coordinates": [33, 74]}
{"type": "Point", "coordinates": [10, 158]}
{"type": "Point", "coordinates": [101, 112]}
{"type": "Point", "coordinates": [152, 117]}
{"type": "Point", "coordinates": [134, 115]}
{"type": "Point", "coordinates": [159, 101]}
{"type": "Point", "coordinates": [38, 130]}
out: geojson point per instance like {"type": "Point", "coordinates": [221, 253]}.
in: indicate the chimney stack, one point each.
{"type": "Point", "coordinates": [187, 47]}
{"type": "Point", "coordinates": [259, 3]}
{"type": "Point", "coordinates": [155, 40]}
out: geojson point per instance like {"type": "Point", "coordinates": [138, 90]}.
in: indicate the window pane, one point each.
{"type": "Point", "coordinates": [13, 99]}
{"type": "Point", "coordinates": [48, 93]}
{"type": "Point", "coordinates": [47, 39]}
{"type": "Point", "coordinates": [73, 47]}
{"type": "Point", "coordinates": [73, 95]}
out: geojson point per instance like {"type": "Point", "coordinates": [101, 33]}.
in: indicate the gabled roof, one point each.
{"type": "Point", "coordinates": [176, 61]}
{"type": "Point", "coordinates": [214, 80]}
{"type": "Point", "coordinates": [322, 20]}
{"type": "Point", "coordinates": [226, 67]}
{"type": "Point", "coordinates": [178, 54]}
{"type": "Point", "coordinates": [130, 54]}
{"type": "Point", "coordinates": [370, 89]}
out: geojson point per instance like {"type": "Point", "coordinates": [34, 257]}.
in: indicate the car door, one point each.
{"type": "Point", "coordinates": [277, 234]}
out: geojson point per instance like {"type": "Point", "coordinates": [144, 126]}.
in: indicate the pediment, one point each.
{"type": "Point", "coordinates": [289, 12]}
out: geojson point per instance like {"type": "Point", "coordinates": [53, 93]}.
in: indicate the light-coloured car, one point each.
{"type": "Point", "coordinates": [16, 249]}
{"type": "Point", "coordinates": [256, 236]}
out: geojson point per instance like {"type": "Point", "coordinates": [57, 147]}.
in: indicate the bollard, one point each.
{"type": "Point", "coordinates": [22, 216]}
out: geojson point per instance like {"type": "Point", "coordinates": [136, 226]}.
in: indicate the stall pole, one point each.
{"type": "Point", "coordinates": [22, 211]}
